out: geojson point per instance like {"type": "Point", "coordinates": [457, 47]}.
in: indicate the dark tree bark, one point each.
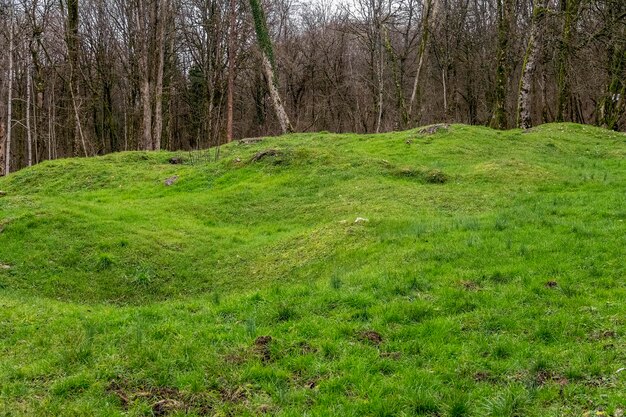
{"type": "Point", "coordinates": [504, 14]}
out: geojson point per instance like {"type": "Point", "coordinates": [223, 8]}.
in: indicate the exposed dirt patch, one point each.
{"type": "Point", "coordinates": [265, 154]}
{"type": "Point", "coordinates": [371, 336]}
{"type": "Point", "coordinates": [167, 406]}
{"type": "Point", "coordinates": [469, 286]}
{"type": "Point", "coordinates": [262, 348]}
{"type": "Point", "coordinates": [236, 358]}
{"type": "Point", "coordinates": [599, 382]}
{"type": "Point", "coordinates": [306, 381]}
{"type": "Point", "coordinates": [305, 348]}
{"type": "Point", "coordinates": [164, 400]}
{"type": "Point", "coordinates": [600, 335]}
{"type": "Point", "coordinates": [552, 284]}
{"type": "Point", "coordinates": [311, 384]}
{"type": "Point", "coordinates": [233, 395]}
{"type": "Point", "coordinates": [482, 377]}
{"type": "Point", "coordinates": [544, 377]}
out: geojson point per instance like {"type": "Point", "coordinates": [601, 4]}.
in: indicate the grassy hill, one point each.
{"type": "Point", "coordinates": [465, 273]}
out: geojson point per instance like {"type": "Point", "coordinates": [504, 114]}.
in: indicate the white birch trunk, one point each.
{"type": "Point", "coordinates": [281, 114]}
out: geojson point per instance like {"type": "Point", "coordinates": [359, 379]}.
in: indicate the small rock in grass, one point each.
{"type": "Point", "coordinates": [361, 220]}
{"type": "Point", "coordinates": [4, 266]}
{"type": "Point", "coordinates": [250, 141]}
{"type": "Point", "coordinates": [171, 181]}
{"type": "Point", "coordinates": [431, 130]}
{"type": "Point", "coordinates": [3, 193]}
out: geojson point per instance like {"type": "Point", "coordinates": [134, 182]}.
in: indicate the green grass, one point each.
{"type": "Point", "coordinates": [488, 279]}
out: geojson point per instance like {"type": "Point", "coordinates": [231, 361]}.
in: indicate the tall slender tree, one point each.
{"type": "Point", "coordinates": [268, 64]}
{"type": "Point", "coordinates": [9, 130]}
{"type": "Point", "coordinates": [421, 53]}
{"type": "Point", "coordinates": [504, 12]}
{"type": "Point", "coordinates": [613, 104]}
{"type": "Point", "coordinates": [569, 13]}
{"type": "Point", "coordinates": [533, 48]}
{"type": "Point", "coordinates": [232, 39]}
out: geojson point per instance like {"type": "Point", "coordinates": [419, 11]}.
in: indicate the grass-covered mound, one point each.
{"type": "Point", "coordinates": [485, 276]}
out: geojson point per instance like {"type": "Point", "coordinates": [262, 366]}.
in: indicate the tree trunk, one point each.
{"type": "Point", "coordinates": [145, 91]}
{"type": "Point", "coordinates": [499, 116]}
{"type": "Point", "coordinates": [7, 146]}
{"type": "Point", "coordinates": [162, 15]}
{"type": "Point", "coordinates": [380, 76]}
{"type": "Point", "coordinates": [397, 80]}
{"type": "Point", "coordinates": [421, 54]}
{"type": "Point", "coordinates": [29, 136]}
{"type": "Point", "coordinates": [569, 10]}
{"type": "Point", "coordinates": [613, 105]}
{"type": "Point", "coordinates": [268, 64]}
{"type": "Point", "coordinates": [231, 71]}
{"type": "Point", "coordinates": [72, 52]}
{"type": "Point", "coordinates": [2, 142]}
{"type": "Point", "coordinates": [524, 108]}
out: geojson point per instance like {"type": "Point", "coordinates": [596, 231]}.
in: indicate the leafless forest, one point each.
{"type": "Point", "coordinates": [89, 77]}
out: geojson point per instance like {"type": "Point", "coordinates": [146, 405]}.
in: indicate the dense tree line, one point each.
{"type": "Point", "coordinates": [88, 77]}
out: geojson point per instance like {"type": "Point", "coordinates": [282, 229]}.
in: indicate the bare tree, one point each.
{"type": "Point", "coordinates": [269, 64]}
{"type": "Point", "coordinates": [613, 104]}
{"type": "Point", "coordinates": [504, 13]}
{"type": "Point", "coordinates": [524, 113]}
{"type": "Point", "coordinates": [92, 76]}
{"type": "Point", "coordinates": [9, 130]}
{"type": "Point", "coordinates": [232, 38]}
{"type": "Point", "coordinates": [426, 19]}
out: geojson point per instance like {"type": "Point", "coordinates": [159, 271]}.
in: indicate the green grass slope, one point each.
{"type": "Point", "coordinates": [487, 280]}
